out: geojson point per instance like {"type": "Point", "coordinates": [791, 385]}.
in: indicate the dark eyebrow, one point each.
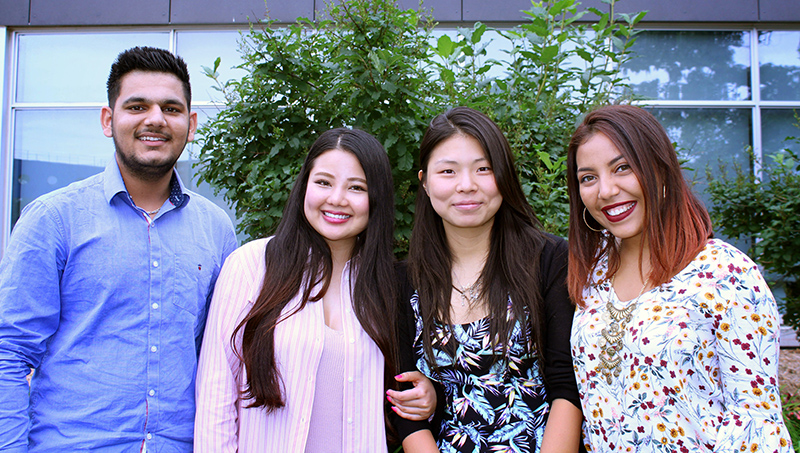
{"type": "Point", "coordinates": [610, 163]}
{"type": "Point", "coordinates": [143, 100]}
{"type": "Point", "coordinates": [616, 159]}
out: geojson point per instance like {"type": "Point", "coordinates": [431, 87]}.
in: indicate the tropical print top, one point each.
{"type": "Point", "coordinates": [489, 406]}
{"type": "Point", "coordinates": [699, 362]}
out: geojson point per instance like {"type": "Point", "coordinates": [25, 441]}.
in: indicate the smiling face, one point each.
{"type": "Point", "coordinates": [336, 203]}
{"type": "Point", "coordinates": [150, 123]}
{"type": "Point", "coordinates": [460, 183]}
{"type": "Point", "coordinates": [609, 189]}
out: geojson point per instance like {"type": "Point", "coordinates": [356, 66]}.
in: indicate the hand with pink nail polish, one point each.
{"type": "Point", "coordinates": [417, 403]}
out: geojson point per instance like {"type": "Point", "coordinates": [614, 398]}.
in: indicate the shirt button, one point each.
{"type": "Point", "coordinates": [149, 436]}
{"type": "Point", "coordinates": [352, 340]}
{"type": "Point", "coordinates": [350, 379]}
{"type": "Point", "coordinates": [155, 306]}
{"type": "Point", "coordinates": [151, 392]}
{"type": "Point", "coordinates": [349, 419]}
{"type": "Point", "coordinates": [155, 263]}
{"type": "Point", "coordinates": [153, 348]}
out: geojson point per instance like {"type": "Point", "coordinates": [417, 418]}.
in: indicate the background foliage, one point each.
{"type": "Point", "coordinates": [375, 67]}
{"type": "Point", "coordinates": [768, 212]}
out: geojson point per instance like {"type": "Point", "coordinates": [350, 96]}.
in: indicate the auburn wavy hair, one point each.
{"type": "Point", "coordinates": [677, 224]}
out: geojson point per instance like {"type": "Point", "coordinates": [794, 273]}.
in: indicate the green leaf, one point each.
{"type": "Point", "coordinates": [445, 46]}
{"type": "Point", "coordinates": [549, 52]}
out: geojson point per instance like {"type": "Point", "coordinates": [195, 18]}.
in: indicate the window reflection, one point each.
{"type": "Point", "coordinates": [691, 65]}
{"type": "Point", "coordinates": [776, 126]}
{"type": "Point", "coordinates": [73, 67]}
{"type": "Point", "coordinates": [200, 49]}
{"type": "Point", "coordinates": [779, 59]}
{"type": "Point", "coordinates": [706, 138]}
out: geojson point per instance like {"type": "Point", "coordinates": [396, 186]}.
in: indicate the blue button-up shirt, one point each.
{"type": "Point", "coordinates": [109, 308]}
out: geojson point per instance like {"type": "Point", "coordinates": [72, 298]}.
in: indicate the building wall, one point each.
{"type": "Point", "coordinates": [48, 13]}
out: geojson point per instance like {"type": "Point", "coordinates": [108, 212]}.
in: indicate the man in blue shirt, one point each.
{"type": "Point", "coordinates": [105, 284]}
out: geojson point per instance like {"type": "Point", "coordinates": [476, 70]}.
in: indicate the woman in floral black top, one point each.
{"type": "Point", "coordinates": [675, 339]}
{"type": "Point", "coordinates": [489, 307]}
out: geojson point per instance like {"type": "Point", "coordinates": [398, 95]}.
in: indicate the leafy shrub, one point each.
{"type": "Point", "coordinates": [768, 213]}
{"type": "Point", "coordinates": [373, 66]}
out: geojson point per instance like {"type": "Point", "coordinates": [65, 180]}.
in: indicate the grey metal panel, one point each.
{"type": "Point", "coordinates": [779, 10]}
{"type": "Point", "coordinates": [497, 10]}
{"type": "Point", "coordinates": [443, 10]}
{"type": "Point", "coordinates": [14, 12]}
{"type": "Point", "coordinates": [238, 11]}
{"type": "Point", "coordinates": [693, 10]}
{"type": "Point", "coordinates": [99, 12]}
{"type": "Point", "coordinates": [512, 10]}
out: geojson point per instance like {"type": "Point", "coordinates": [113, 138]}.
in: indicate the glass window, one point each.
{"type": "Point", "coordinates": [53, 148]}
{"type": "Point", "coordinates": [779, 60]}
{"type": "Point", "coordinates": [73, 67]}
{"type": "Point", "coordinates": [200, 49]}
{"type": "Point", "coordinates": [691, 65]}
{"type": "Point", "coordinates": [704, 139]}
{"type": "Point", "coordinates": [67, 136]}
{"type": "Point", "coordinates": [776, 126]}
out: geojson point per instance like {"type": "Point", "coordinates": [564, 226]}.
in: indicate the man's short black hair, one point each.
{"type": "Point", "coordinates": [148, 59]}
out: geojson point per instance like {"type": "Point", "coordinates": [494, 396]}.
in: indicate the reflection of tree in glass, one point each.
{"type": "Point", "coordinates": [706, 138]}
{"type": "Point", "coordinates": [691, 65]}
{"type": "Point", "coordinates": [780, 80]}
{"type": "Point", "coordinates": [780, 131]}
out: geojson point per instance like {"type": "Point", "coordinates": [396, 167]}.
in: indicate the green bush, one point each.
{"type": "Point", "coordinates": [768, 214]}
{"type": "Point", "coordinates": [375, 67]}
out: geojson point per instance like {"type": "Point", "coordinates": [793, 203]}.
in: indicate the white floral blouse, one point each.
{"type": "Point", "coordinates": [699, 362]}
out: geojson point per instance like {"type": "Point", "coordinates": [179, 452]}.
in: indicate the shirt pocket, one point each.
{"type": "Point", "coordinates": [193, 283]}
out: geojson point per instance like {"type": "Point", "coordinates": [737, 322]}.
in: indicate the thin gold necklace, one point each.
{"type": "Point", "coordinates": [612, 335]}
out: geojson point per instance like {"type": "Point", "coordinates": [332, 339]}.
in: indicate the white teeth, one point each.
{"type": "Point", "coordinates": [150, 139]}
{"type": "Point", "coordinates": [620, 209]}
{"type": "Point", "coordinates": [336, 216]}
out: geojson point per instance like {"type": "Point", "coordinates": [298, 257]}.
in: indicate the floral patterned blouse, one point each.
{"type": "Point", "coordinates": [699, 362]}
{"type": "Point", "coordinates": [488, 404]}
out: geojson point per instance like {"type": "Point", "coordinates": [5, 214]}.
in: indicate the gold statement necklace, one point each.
{"type": "Point", "coordinates": [613, 334]}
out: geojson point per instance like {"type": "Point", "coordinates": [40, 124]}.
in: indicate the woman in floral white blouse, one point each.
{"type": "Point", "coordinates": [675, 337]}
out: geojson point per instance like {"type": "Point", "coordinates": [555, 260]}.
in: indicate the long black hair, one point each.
{"type": "Point", "coordinates": [298, 259]}
{"type": "Point", "coordinates": [512, 266]}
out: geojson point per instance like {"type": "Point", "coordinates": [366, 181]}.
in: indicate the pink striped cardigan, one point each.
{"type": "Point", "coordinates": [224, 424]}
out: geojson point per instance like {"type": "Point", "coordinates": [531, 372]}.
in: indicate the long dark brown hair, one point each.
{"type": "Point", "coordinates": [676, 224]}
{"type": "Point", "coordinates": [298, 258]}
{"type": "Point", "coordinates": [512, 266]}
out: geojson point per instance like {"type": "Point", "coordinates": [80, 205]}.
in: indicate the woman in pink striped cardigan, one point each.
{"type": "Point", "coordinates": [300, 343]}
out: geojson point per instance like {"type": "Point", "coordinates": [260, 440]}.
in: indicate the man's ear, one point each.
{"type": "Point", "coordinates": [192, 126]}
{"type": "Point", "coordinates": [105, 120]}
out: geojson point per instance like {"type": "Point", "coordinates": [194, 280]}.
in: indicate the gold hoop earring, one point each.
{"type": "Point", "coordinates": [587, 223]}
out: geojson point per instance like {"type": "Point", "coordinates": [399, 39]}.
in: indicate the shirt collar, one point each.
{"type": "Point", "coordinates": [114, 185]}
